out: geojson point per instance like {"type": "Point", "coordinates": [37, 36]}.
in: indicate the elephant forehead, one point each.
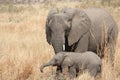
{"type": "Point", "coordinates": [57, 20]}
{"type": "Point", "coordinates": [58, 17]}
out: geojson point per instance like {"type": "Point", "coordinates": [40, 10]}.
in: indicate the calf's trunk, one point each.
{"type": "Point", "coordinates": [45, 65]}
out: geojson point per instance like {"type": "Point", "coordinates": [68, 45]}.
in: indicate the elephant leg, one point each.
{"type": "Point", "coordinates": [111, 50]}
{"type": "Point", "coordinates": [82, 45]}
{"type": "Point", "coordinates": [72, 72]}
{"type": "Point", "coordinates": [77, 70]}
{"type": "Point", "coordinates": [93, 69]}
{"type": "Point", "coordinates": [111, 45]}
{"type": "Point", "coordinates": [93, 72]}
{"type": "Point", "coordinates": [111, 54]}
{"type": "Point", "coordinates": [58, 72]}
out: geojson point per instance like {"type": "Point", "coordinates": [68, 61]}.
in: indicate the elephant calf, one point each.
{"type": "Point", "coordinates": [75, 62]}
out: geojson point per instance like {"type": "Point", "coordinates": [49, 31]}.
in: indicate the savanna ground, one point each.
{"type": "Point", "coordinates": [23, 46]}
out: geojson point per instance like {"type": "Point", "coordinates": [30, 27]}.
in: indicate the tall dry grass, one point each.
{"type": "Point", "coordinates": [23, 46]}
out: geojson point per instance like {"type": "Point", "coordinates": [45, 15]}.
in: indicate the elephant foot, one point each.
{"type": "Point", "coordinates": [58, 73]}
{"type": "Point", "coordinates": [59, 77]}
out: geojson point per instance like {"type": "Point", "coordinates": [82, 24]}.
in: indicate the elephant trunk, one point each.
{"type": "Point", "coordinates": [58, 44]}
{"type": "Point", "coordinates": [45, 65]}
{"type": "Point", "coordinates": [58, 48]}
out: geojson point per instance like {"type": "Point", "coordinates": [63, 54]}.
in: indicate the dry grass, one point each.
{"type": "Point", "coordinates": [23, 46]}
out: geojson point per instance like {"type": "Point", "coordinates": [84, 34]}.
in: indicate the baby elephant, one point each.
{"type": "Point", "coordinates": [76, 62]}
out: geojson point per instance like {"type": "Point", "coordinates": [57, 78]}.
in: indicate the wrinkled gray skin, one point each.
{"type": "Point", "coordinates": [81, 30]}
{"type": "Point", "coordinates": [76, 62]}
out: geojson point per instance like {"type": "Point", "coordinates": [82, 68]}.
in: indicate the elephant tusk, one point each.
{"type": "Point", "coordinates": [63, 47]}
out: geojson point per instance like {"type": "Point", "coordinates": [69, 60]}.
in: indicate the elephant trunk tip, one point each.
{"type": "Point", "coordinates": [41, 69]}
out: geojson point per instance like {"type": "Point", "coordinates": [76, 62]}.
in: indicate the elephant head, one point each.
{"type": "Point", "coordinates": [66, 27]}
{"type": "Point", "coordinates": [55, 61]}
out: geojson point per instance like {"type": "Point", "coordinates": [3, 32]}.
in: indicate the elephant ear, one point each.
{"type": "Point", "coordinates": [48, 21]}
{"type": "Point", "coordinates": [80, 25]}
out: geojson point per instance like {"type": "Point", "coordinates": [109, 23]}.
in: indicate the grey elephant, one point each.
{"type": "Point", "coordinates": [76, 62]}
{"type": "Point", "coordinates": [74, 30]}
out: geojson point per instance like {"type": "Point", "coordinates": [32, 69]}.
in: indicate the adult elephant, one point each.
{"type": "Point", "coordinates": [77, 30]}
